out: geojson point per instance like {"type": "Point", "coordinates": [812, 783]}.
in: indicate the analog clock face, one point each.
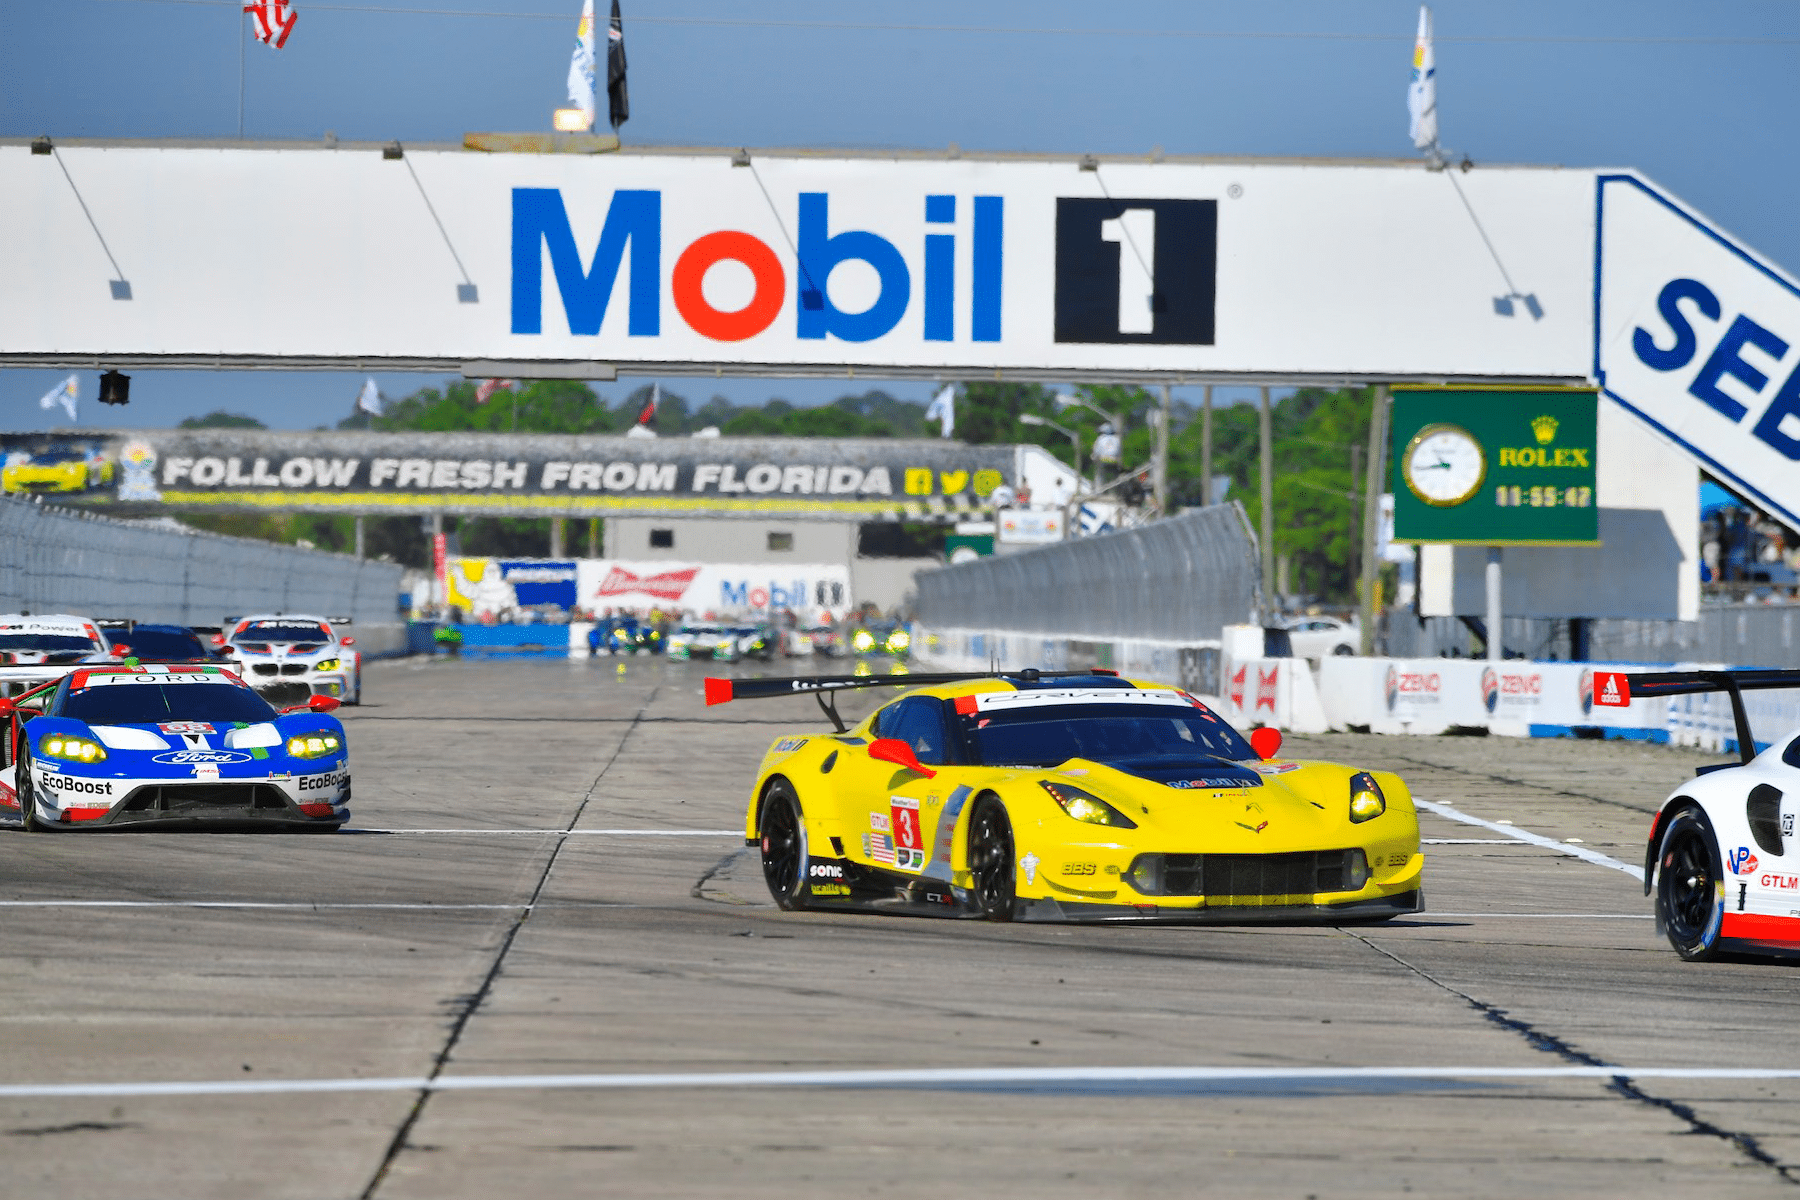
{"type": "Point", "coordinates": [1444, 465]}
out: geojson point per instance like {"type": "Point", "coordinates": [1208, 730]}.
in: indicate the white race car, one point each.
{"type": "Point", "coordinates": [29, 641]}
{"type": "Point", "coordinates": [291, 655]}
{"type": "Point", "coordinates": [1717, 857]}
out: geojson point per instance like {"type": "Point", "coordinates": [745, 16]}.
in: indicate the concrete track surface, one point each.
{"type": "Point", "coordinates": [541, 964]}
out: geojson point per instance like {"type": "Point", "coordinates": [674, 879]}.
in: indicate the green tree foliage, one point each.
{"type": "Point", "coordinates": [220, 419]}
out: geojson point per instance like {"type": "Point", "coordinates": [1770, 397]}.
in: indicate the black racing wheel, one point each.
{"type": "Point", "coordinates": [784, 846]}
{"type": "Point", "coordinates": [1690, 886]}
{"type": "Point", "coordinates": [28, 818]}
{"type": "Point", "coordinates": [991, 863]}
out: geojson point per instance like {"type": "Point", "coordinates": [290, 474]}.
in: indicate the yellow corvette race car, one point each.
{"type": "Point", "coordinates": [1068, 796]}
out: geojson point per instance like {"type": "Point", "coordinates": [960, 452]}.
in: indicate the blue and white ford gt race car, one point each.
{"type": "Point", "coordinates": [111, 747]}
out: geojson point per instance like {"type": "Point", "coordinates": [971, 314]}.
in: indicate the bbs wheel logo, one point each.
{"type": "Point", "coordinates": [1136, 270]}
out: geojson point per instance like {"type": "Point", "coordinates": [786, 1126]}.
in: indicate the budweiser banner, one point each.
{"type": "Point", "coordinates": [518, 474]}
{"type": "Point", "coordinates": [482, 586]}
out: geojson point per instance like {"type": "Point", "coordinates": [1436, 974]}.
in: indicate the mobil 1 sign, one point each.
{"type": "Point", "coordinates": [1700, 339]}
{"type": "Point", "coordinates": [1495, 467]}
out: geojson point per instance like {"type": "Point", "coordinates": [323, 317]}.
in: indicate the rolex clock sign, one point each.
{"type": "Point", "coordinates": [1494, 467]}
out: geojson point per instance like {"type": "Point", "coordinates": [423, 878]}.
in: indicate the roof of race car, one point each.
{"type": "Point", "coordinates": [49, 623]}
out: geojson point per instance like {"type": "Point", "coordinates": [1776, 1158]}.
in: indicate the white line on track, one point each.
{"type": "Point", "coordinates": [1535, 839]}
{"type": "Point", "coordinates": [738, 833]}
{"type": "Point", "coordinates": [1550, 916]}
{"type": "Point", "coordinates": [1468, 841]}
{"type": "Point", "coordinates": [928, 1077]}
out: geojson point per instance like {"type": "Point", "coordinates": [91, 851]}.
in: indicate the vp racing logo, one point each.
{"type": "Point", "coordinates": [189, 757]}
{"type": "Point", "coordinates": [1741, 861]}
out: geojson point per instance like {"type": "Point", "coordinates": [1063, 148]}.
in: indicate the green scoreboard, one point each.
{"type": "Point", "coordinates": [1494, 466]}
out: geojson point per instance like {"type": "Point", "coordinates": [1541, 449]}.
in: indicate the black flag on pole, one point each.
{"type": "Point", "coordinates": [618, 103]}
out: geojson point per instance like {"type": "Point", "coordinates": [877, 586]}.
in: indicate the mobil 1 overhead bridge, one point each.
{"type": "Point", "coordinates": [561, 265]}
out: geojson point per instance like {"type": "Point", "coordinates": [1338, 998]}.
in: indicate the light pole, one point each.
{"type": "Point", "coordinates": [1072, 434]}
{"type": "Point", "coordinates": [1064, 400]}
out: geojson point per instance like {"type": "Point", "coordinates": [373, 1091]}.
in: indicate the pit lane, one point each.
{"type": "Point", "coordinates": [539, 964]}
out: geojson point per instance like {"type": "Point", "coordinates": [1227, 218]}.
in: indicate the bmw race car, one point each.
{"type": "Point", "coordinates": [1068, 796]}
{"type": "Point", "coordinates": [290, 657]}
{"type": "Point", "coordinates": [1717, 854]}
{"type": "Point", "coordinates": [704, 641]}
{"type": "Point", "coordinates": [52, 638]}
{"type": "Point", "coordinates": [109, 747]}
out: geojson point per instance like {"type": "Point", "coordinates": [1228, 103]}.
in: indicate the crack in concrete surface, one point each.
{"type": "Point", "coordinates": [1621, 1085]}
{"type": "Point", "coordinates": [469, 1004]}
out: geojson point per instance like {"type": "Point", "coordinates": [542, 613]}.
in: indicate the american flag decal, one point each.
{"type": "Point", "coordinates": [879, 847]}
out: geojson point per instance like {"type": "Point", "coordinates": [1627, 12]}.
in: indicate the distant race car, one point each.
{"type": "Point", "coordinates": [65, 468]}
{"type": "Point", "coordinates": [1316, 637]}
{"type": "Point", "coordinates": [1068, 796]}
{"type": "Point", "coordinates": [881, 637]}
{"type": "Point", "coordinates": [703, 641]}
{"type": "Point", "coordinates": [1717, 854]}
{"type": "Point", "coordinates": [106, 747]}
{"type": "Point", "coordinates": [156, 643]}
{"type": "Point", "coordinates": [52, 638]}
{"type": "Point", "coordinates": [827, 640]}
{"type": "Point", "coordinates": [757, 641]}
{"type": "Point", "coordinates": [291, 656]}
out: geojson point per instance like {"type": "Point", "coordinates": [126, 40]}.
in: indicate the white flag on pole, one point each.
{"type": "Point", "coordinates": [581, 66]}
{"type": "Point", "coordinates": [943, 410]}
{"type": "Point", "coordinates": [1421, 94]}
{"type": "Point", "coordinates": [65, 394]}
{"type": "Point", "coordinates": [369, 399]}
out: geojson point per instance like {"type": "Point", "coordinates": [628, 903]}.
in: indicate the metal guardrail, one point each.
{"type": "Point", "coordinates": [56, 560]}
{"type": "Point", "coordinates": [1179, 580]}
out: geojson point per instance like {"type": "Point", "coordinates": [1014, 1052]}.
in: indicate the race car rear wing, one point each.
{"type": "Point", "coordinates": [1617, 689]}
{"type": "Point", "coordinates": [822, 687]}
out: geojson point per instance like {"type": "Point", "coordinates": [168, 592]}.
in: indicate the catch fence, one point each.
{"type": "Point", "coordinates": [1750, 635]}
{"type": "Point", "coordinates": [55, 560]}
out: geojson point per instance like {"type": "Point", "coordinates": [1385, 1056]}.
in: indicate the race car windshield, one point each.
{"type": "Point", "coordinates": [51, 457]}
{"type": "Point", "coordinates": [133, 704]}
{"type": "Point", "coordinates": [283, 633]}
{"type": "Point", "coordinates": [1137, 736]}
{"type": "Point", "coordinates": [45, 641]}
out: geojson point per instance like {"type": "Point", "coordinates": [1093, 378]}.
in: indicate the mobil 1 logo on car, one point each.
{"type": "Point", "coordinates": [1701, 338]}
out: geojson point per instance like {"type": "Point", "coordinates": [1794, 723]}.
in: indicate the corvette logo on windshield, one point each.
{"type": "Point", "coordinates": [183, 757]}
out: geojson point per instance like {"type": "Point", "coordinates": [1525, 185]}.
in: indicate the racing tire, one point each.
{"type": "Point", "coordinates": [1343, 650]}
{"type": "Point", "coordinates": [28, 818]}
{"type": "Point", "coordinates": [784, 846]}
{"type": "Point", "coordinates": [356, 691]}
{"type": "Point", "coordinates": [1690, 886]}
{"type": "Point", "coordinates": [992, 868]}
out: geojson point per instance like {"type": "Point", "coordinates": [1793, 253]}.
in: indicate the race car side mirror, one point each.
{"type": "Point", "coordinates": [893, 750]}
{"type": "Point", "coordinates": [6, 705]}
{"type": "Point", "coordinates": [1266, 741]}
{"type": "Point", "coordinates": [348, 641]}
{"type": "Point", "coordinates": [120, 650]}
{"type": "Point", "coordinates": [318, 704]}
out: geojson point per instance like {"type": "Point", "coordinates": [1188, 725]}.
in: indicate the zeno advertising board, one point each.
{"type": "Point", "coordinates": [1512, 467]}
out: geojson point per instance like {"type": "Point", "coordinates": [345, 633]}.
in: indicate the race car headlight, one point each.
{"type": "Point", "coordinates": [1366, 800]}
{"type": "Point", "coordinates": [862, 639]}
{"type": "Point", "coordinates": [327, 664]}
{"type": "Point", "coordinates": [1086, 807]}
{"type": "Point", "coordinates": [75, 749]}
{"type": "Point", "coordinates": [899, 640]}
{"type": "Point", "coordinates": [313, 745]}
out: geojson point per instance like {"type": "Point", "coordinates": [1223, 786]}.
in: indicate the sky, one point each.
{"type": "Point", "coordinates": [1699, 97]}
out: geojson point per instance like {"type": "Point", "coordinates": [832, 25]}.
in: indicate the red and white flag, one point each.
{"type": "Point", "coordinates": [648, 412]}
{"type": "Point", "coordinates": [484, 391]}
{"type": "Point", "coordinates": [274, 21]}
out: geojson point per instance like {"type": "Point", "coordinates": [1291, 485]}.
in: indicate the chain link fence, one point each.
{"type": "Point", "coordinates": [55, 560]}
{"type": "Point", "coordinates": [1749, 635]}
{"type": "Point", "coordinates": [1181, 581]}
